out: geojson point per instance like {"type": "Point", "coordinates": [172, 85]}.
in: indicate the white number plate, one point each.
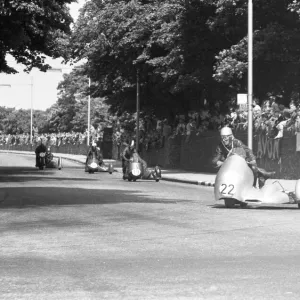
{"type": "Point", "coordinates": [136, 172]}
{"type": "Point", "coordinates": [93, 165]}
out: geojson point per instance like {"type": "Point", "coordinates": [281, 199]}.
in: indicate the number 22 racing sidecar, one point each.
{"type": "Point", "coordinates": [234, 185]}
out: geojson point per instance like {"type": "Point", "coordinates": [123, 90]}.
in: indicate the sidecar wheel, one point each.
{"type": "Point", "coordinates": [229, 203]}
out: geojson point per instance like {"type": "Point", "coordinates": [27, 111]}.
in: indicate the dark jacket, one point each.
{"type": "Point", "coordinates": [98, 154]}
{"type": "Point", "coordinates": [127, 153]}
{"type": "Point", "coordinates": [40, 148]}
{"type": "Point", "coordinates": [222, 151]}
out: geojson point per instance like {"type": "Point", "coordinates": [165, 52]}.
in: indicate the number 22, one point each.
{"type": "Point", "coordinates": [227, 189]}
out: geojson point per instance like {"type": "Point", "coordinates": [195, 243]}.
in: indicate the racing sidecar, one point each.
{"type": "Point", "coordinates": [92, 166]}
{"type": "Point", "coordinates": [234, 185]}
{"type": "Point", "coordinates": [136, 171]}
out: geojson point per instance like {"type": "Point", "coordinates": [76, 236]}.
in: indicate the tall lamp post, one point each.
{"type": "Point", "coordinates": [250, 73]}
{"type": "Point", "coordinates": [89, 113]}
{"type": "Point", "coordinates": [31, 108]}
{"type": "Point", "coordinates": [137, 109]}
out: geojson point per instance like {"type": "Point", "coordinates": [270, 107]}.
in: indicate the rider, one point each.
{"type": "Point", "coordinates": [130, 154]}
{"type": "Point", "coordinates": [228, 144]}
{"type": "Point", "coordinates": [127, 155]}
{"type": "Point", "coordinates": [39, 149]}
{"type": "Point", "coordinates": [98, 154]}
{"type": "Point", "coordinates": [49, 156]}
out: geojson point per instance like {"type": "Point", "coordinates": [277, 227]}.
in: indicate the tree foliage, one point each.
{"type": "Point", "coordinates": [275, 50]}
{"type": "Point", "coordinates": [189, 55]}
{"type": "Point", "coordinates": [15, 121]}
{"type": "Point", "coordinates": [29, 30]}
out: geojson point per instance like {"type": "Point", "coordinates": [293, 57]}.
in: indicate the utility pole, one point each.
{"type": "Point", "coordinates": [31, 108]}
{"type": "Point", "coordinates": [89, 113]}
{"type": "Point", "coordinates": [137, 109]}
{"type": "Point", "coordinates": [250, 73]}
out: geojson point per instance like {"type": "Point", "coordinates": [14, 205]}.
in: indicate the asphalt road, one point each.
{"type": "Point", "coordinates": [72, 235]}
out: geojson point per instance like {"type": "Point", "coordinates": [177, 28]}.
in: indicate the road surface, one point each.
{"type": "Point", "coordinates": [72, 235]}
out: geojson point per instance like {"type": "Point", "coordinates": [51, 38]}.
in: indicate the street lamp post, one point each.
{"type": "Point", "coordinates": [89, 112]}
{"type": "Point", "coordinates": [31, 108]}
{"type": "Point", "coordinates": [250, 72]}
{"type": "Point", "coordinates": [137, 109]}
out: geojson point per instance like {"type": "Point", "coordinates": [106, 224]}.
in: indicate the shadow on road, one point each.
{"type": "Point", "coordinates": [46, 196]}
{"type": "Point", "coordinates": [24, 174]}
{"type": "Point", "coordinates": [42, 178]}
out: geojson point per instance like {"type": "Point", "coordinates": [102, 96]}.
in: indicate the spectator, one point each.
{"type": "Point", "coordinates": [181, 129]}
{"type": "Point", "coordinates": [190, 127]}
{"type": "Point", "coordinates": [256, 107]}
{"type": "Point", "coordinates": [167, 131]}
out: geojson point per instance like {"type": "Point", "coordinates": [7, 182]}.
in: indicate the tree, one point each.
{"type": "Point", "coordinates": [32, 29]}
{"type": "Point", "coordinates": [171, 44]}
{"type": "Point", "coordinates": [190, 55]}
{"type": "Point", "coordinates": [125, 37]}
{"type": "Point", "coordinates": [276, 57]}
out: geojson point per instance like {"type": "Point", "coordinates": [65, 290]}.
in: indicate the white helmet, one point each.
{"type": "Point", "coordinates": [132, 144]}
{"type": "Point", "coordinates": [226, 136]}
{"type": "Point", "coordinates": [226, 131]}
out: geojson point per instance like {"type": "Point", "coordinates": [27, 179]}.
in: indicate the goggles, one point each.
{"type": "Point", "coordinates": [226, 138]}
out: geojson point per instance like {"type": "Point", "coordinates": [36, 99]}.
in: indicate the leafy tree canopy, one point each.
{"type": "Point", "coordinates": [156, 39]}
{"type": "Point", "coordinates": [29, 30]}
{"type": "Point", "coordinates": [188, 54]}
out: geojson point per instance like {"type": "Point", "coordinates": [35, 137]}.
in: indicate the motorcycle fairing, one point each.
{"type": "Point", "coordinates": [135, 169]}
{"type": "Point", "coordinates": [235, 180]}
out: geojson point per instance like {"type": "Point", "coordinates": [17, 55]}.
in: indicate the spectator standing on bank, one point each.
{"type": "Point", "coordinates": [180, 129]}
{"type": "Point", "coordinates": [166, 132]}
{"type": "Point", "coordinates": [190, 127]}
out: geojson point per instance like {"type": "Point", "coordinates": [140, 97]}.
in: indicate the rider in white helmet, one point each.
{"type": "Point", "coordinates": [228, 145]}
{"type": "Point", "coordinates": [94, 149]}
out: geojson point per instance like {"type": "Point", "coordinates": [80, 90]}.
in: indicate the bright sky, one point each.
{"type": "Point", "coordinates": [43, 92]}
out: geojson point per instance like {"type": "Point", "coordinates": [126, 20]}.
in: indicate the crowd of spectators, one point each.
{"type": "Point", "coordinates": [269, 118]}
{"type": "Point", "coordinates": [50, 139]}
